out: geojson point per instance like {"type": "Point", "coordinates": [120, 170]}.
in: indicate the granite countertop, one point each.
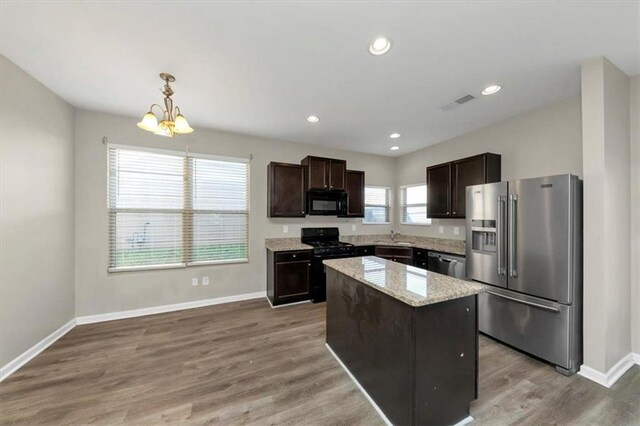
{"type": "Point", "coordinates": [413, 286]}
{"type": "Point", "coordinates": [427, 243]}
{"type": "Point", "coordinates": [285, 244]}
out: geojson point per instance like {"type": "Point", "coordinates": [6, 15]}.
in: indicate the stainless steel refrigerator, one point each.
{"type": "Point", "coordinates": [524, 239]}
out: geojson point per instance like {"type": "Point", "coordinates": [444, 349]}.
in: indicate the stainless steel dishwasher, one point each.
{"type": "Point", "coordinates": [447, 264]}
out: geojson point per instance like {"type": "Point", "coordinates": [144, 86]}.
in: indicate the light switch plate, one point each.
{"type": "Point", "coordinates": [205, 280]}
{"type": "Point", "coordinates": [285, 229]}
{"type": "Point", "coordinates": [194, 282]}
{"type": "Point", "coordinates": [441, 229]}
{"type": "Point", "coordinates": [456, 230]}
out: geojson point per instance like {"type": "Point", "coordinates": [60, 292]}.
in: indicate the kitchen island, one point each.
{"type": "Point", "coordinates": [407, 336]}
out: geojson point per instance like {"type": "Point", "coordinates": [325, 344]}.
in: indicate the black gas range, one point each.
{"type": "Point", "coordinates": [326, 245]}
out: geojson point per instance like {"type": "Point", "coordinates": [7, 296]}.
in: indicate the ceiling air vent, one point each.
{"type": "Point", "coordinates": [456, 103]}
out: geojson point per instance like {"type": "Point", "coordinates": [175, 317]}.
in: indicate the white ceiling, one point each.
{"type": "Point", "coordinates": [262, 67]}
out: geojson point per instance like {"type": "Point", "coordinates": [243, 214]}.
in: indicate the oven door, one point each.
{"type": "Point", "coordinates": [326, 203]}
{"type": "Point", "coordinates": [319, 276]}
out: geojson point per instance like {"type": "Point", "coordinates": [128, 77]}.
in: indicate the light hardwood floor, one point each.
{"type": "Point", "coordinates": [245, 363]}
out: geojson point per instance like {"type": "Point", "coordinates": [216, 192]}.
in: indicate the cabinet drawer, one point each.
{"type": "Point", "coordinates": [383, 251]}
{"type": "Point", "coordinates": [365, 251]}
{"type": "Point", "coordinates": [293, 256]}
{"type": "Point", "coordinates": [419, 253]}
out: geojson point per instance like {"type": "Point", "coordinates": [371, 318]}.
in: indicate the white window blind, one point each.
{"type": "Point", "coordinates": [376, 204]}
{"type": "Point", "coordinates": [173, 210]}
{"type": "Point", "coordinates": [414, 205]}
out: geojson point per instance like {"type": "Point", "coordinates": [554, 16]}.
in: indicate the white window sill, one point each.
{"type": "Point", "coordinates": [176, 265]}
{"type": "Point", "coordinates": [376, 223]}
{"type": "Point", "coordinates": [416, 224]}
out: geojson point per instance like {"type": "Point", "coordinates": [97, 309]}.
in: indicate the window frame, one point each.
{"type": "Point", "coordinates": [187, 212]}
{"type": "Point", "coordinates": [402, 192]}
{"type": "Point", "coordinates": [387, 206]}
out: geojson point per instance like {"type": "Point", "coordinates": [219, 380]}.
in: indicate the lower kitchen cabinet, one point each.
{"type": "Point", "coordinates": [397, 254]}
{"type": "Point", "coordinates": [420, 258]}
{"type": "Point", "coordinates": [288, 276]}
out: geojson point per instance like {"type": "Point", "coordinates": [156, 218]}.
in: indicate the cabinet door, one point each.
{"type": "Point", "coordinates": [439, 191]}
{"type": "Point", "coordinates": [285, 190]}
{"type": "Point", "coordinates": [337, 174]}
{"type": "Point", "coordinates": [292, 281]}
{"type": "Point", "coordinates": [355, 193]}
{"type": "Point", "coordinates": [318, 173]}
{"type": "Point", "coordinates": [470, 171]}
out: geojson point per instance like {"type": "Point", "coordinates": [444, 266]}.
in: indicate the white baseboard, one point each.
{"type": "Point", "coordinates": [90, 319]}
{"type": "Point", "coordinates": [364, 392]}
{"type": "Point", "coordinates": [610, 377]}
{"type": "Point", "coordinates": [29, 354]}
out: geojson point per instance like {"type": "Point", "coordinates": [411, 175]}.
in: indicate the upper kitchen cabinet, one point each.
{"type": "Point", "coordinates": [446, 183]}
{"type": "Point", "coordinates": [286, 193]}
{"type": "Point", "coordinates": [439, 191]}
{"type": "Point", "coordinates": [325, 173]}
{"type": "Point", "coordinates": [355, 193]}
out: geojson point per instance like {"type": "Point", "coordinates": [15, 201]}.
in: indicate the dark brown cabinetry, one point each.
{"type": "Point", "coordinates": [325, 173]}
{"type": "Point", "coordinates": [365, 250]}
{"type": "Point", "coordinates": [420, 258]}
{"type": "Point", "coordinates": [446, 183]}
{"type": "Point", "coordinates": [439, 191]}
{"type": "Point", "coordinates": [288, 276]}
{"type": "Point", "coordinates": [355, 193]}
{"type": "Point", "coordinates": [286, 195]}
{"type": "Point", "coordinates": [396, 254]}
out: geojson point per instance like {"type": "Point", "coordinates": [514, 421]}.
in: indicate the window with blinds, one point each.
{"type": "Point", "coordinates": [376, 204]}
{"type": "Point", "coordinates": [169, 209]}
{"type": "Point", "coordinates": [414, 205]}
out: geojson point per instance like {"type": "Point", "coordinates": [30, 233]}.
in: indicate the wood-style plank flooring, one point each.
{"type": "Point", "coordinates": [246, 363]}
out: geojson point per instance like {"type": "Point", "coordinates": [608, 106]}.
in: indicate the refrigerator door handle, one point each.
{"type": "Point", "coordinates": [512, 235]}
{"type": "Point", "coordinates": [524, 302]}
{"type": "Point", "coordinates": [500, 236]}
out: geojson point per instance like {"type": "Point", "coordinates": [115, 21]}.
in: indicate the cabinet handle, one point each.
{"type": "Point", "coordinates": [294, 256]}
{"type": "Point", "coordinates": [454, 212]}
{"type": "Point", "coordinates": [447, 213]}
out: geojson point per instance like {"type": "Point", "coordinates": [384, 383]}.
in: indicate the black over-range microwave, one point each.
{"type": "Point", "coordinates": [327, 203]}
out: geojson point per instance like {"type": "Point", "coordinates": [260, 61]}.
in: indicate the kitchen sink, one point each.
{"type": "Point", "coordinates": [393, 243]}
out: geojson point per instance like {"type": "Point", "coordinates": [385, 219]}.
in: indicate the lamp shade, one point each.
{"type": "Point", "coordinates": [181, 125]}
{"type": "Point", "coordinates": [149, 122]}
{"type": "Point", "coordinates": [163, 130]}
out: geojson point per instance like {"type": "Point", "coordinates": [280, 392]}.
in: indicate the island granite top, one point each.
{"type": "Point", "coordinates": [413, 286]}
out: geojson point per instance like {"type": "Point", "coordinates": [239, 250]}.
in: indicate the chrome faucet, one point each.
{"type": "Point", "coordinates": [394, 235]}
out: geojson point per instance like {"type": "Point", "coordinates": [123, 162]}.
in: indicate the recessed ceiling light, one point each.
{"type": "Point", "coordinates": [394, 148]}
{"type": "Point", "coordinates": [394, 135]}
{"type": "Point", "coordinates": [380, 46]}
{"type": "Point", "coordinates": [313, 119]}
{"type": "Point", "coordinates": [490, 90]}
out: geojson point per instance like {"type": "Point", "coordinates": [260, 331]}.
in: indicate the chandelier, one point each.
{"type": "Point", "coordinates": [172, 122]}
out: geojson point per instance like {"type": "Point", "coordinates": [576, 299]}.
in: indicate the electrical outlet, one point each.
{"type": "Point", "coordinates": [205, 280]}
{"type": "Point", "coordinates": [456, 230]}
{"type": "Point", "coordinates": [441, 229]}
{"type": "Point", "coordinates": [194, 282]}
{"type": "Point", "coordinates": [285, 229]}
{"type": "Point", "coordinates": [353, 227]}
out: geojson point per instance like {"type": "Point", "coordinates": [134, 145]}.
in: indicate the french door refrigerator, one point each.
{"type": "Point", "coordinates": [524, 239]}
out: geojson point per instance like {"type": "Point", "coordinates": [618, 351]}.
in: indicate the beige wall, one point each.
{"type": "Point", "coordinates": [542, 142]}
{"type": "Point", "coordinates": [36, 211]}
{"type": "Point", "coordinates": [635, 213]}
{"type": "Point", "coordinates": [100, 292]}
{"type": "Point", "coordinates": [607, 189]}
